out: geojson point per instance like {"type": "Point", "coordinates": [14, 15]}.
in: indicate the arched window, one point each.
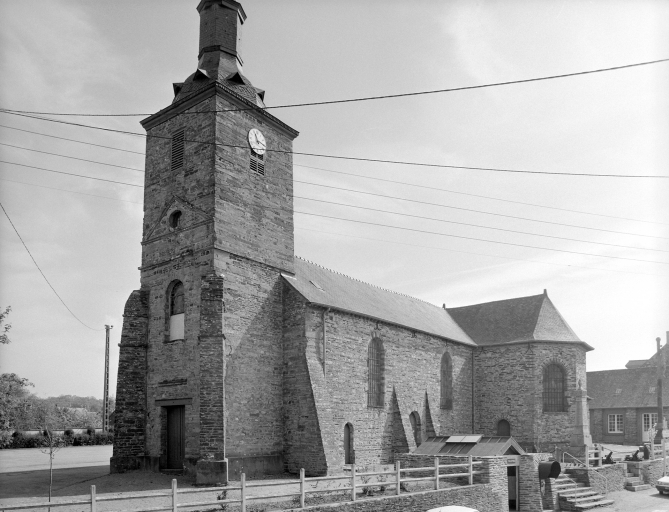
{"type": "Point", "coordinates": [375, 384]}
{"type": "Point", "coordinates": [554, 389]}
{"type": "Point", "coordinates": [177, 309]}
{"type": "Point", "coordinates": [414, 418]}
{"type": "Point", "coordinates": [504, 428]}
{"type": "Point", "coordinates": [446, 381]}
{"type": "Point", "coordinates": [349, 453]}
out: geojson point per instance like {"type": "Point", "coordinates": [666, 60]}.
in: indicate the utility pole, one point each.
{"type": "Point", "coordinates": [659, 436]}
{"type": "Point", "coordinates": [105, 398]}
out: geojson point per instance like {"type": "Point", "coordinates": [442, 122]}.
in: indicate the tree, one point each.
{"type": "Point", "coordinates": [5, 327]}
{"type": "Point", "coordinates": [15, 401]}
{"type": "Point", "coordinates": [47, 417]}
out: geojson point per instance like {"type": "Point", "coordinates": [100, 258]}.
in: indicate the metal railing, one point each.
{"type": "Point", "coordinates": [436, 476]}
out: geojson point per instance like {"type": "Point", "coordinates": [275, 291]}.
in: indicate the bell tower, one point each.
{"type": "Point", "coordinates": [193, 390]}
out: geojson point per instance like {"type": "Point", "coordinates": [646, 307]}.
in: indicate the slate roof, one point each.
{"type": "Point", "coordinates": [523, 319]}
{"type": "Point", "coordinates": [331, 289]}
{"type": "Point", "coordinates": [485, 447]}
{"type": "Point", "coordinates": [636, 363]}
{"type": "Point", "coordinates": [634, 385]}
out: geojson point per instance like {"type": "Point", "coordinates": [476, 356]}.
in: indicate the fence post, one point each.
{"type": "Point", "coordinates": [352, 482]}
{"type": "Point", "coordinates": [174, 495]}
{"type": "Point", "coordinates": [243, 508]}
{"type": "Point", "coordinates": [398, 477]}
{"type": "Point", "coordinates": [93, 506]}
{"type": "Point", "coordinates": [436, 473]}
{"type": "Point", "coordinates": [301, 487]}
{"type": "Point", "coordinates": [471, 471]}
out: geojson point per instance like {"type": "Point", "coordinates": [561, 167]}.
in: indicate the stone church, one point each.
{"type": "Point", "coordinates": [236, 355]}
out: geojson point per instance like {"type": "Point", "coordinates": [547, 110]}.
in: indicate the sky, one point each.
{"type": "Point", "coordinates": [598, 245]}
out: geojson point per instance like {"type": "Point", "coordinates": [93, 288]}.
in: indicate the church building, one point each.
{"type": "Point", "coordinates": [236, 355]}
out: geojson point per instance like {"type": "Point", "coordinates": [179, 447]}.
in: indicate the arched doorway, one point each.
{"type": "Point", "coordinates": [349, 454]}
{"type": "Point", "coordinates": [414, 418]}
{"type": "Point", "coordinates": [504, 428]}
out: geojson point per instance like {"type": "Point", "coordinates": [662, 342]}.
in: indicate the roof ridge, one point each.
{"type": "Point", "coordinates": [366, 283]}
{"type": "Point", "coordinates": [501, 300]}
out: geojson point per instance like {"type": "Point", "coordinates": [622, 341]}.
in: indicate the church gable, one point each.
{"type": "Point", "coordinates": [178, 214]}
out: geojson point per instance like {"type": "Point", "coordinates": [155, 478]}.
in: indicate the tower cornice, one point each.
{"type": "Point", "coordinates": [207, 92]}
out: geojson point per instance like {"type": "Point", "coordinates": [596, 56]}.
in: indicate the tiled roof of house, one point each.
{"type": "Point", "coordinates": [523, 319]}
{"type": "Point", "coordinates": [327, 288]}
{"type": "Point", "coordinates": [611, 389]}
{"type": "Point", "coordinates": [636, 363]}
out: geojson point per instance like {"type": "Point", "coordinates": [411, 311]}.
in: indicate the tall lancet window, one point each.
{"type": "Point", "coordinates": [177, 310]}
{"type": "Point", "coordinates": [375, 383]}
{"type": "Point", "coordinates": [446, 381]}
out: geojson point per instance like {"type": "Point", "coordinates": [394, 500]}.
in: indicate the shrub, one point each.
{"type": "Point", "coordinates": [69, 432]}
{"type": "Point", "coordinates": [90, 431]}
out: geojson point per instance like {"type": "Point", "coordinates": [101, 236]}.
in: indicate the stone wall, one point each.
{"type": "Point", "coordinates": [480, 497]}
{"type": "Point", "coordinates": [608, 478]}
{"type": "Point", "coordinates": [651, 470]}
{"type": "Point", "coordinates": [130, 418]}
{"type": "Point", "coordinates": [411, 376]}
{"type": "Point", "coordinates": [529, 486]}
{"type": "Point", "coordinates": [303, 444]}
{"type": "Point", "coordinates": [509, 386]}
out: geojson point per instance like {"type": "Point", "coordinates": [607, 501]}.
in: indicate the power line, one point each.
{"type": "Point", "coordinates": [385, 180]}
{"type": "Point", "coordinates": [40, 271]}
{"type": "Point", "coordinates": [349, 158]}
{"type": "Point", "coordinates": [395, 213]}
{"type": "Point", "coordinates": [343, 189]}
{"type": "Point", "coordinates": [478, 239]}
{"type": "Point", "coordinates": [70, 191]}
{"type": "Point", "coordinates": [72, 140]}
{"type": "Point", "coordinates": [71, 157]}
{"type": "Point", "coordinates": [480, 226]}
{"type": "Point", "coordinates": [478, 195]}
{"type": "Point", "coordinates": [381, 97]}
{"type": "Point", "coordinates": [475, 253]}
{"type": "Point", "coordinates": [72, 174]}
{"type": "Point", "coordinates": [478, 211]}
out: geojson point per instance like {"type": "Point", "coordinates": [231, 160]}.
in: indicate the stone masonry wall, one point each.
{"type": "Point", "coordinates": [237, 225]}
{"type": "Point", "coordinates": [303, 444]}
{"type": "Point", "coordinates": [412, 383]}
{"type": "Point", "coordinates": [509, 386]}
{"type": "Point", "coordinates": [609, 478]}
{"type": "Point", "coordinates": [130, 417]}
{"type": "Point", "coordinates": [529, 485]}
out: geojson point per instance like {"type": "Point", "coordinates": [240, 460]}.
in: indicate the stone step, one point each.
{"type": "Point", "coordinates": [635, 488]}
{"type": "Point", "coordinates": [576, 491]}
{"type": "Point", "coordinates": [589, 506]}
{"type": "Point", "coordinates": [633, 480]}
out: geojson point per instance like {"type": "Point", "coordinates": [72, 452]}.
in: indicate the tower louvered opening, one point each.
{"type": "Point", "coordinates": [257, 163]}
{"type": "Point", "coordinates": [178, 139]}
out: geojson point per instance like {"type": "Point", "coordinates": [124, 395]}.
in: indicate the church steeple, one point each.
{"type": "Point", "coordinates": [220, 37]}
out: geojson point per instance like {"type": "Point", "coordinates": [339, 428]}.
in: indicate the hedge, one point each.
{"type": "Point", "coordinates": [19, 440]}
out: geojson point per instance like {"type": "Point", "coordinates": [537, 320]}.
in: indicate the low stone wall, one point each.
{"type": "Point", "coordinates": [482, 497]}
{"type": "Point", "coordinates": [651, 470]}
{"type": "Point", "coordinates": [611, 477]}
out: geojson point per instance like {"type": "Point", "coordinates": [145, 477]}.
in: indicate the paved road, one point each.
{"type": "Point", "coordinates": [32, 459]}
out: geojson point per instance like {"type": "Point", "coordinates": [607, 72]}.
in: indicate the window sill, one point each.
{"type": "Point", "coordinates": [167, 342]}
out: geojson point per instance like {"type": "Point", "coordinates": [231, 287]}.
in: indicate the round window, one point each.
{"type": "Point", "coordinates": [175, 218]}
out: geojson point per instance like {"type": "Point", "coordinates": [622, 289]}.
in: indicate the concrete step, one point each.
{"type": "Point", "coordinates": [635, 480]}
{"type": "Point", "coordinates": [634, 488]}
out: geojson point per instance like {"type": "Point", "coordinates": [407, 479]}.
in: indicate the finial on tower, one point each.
{"type": "Point", "coordinates": [220, 37]}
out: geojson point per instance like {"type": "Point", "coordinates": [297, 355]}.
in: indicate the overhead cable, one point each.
{"type": "Point", "coordinates": [40, 271]}
{"type": "Point", "coordinates": [349, 158]}
{"type": "Point", "coordinates": [381, 97]}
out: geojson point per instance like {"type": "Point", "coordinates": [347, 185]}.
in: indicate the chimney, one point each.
{"type": "Point", "coordinates": [220, 37]}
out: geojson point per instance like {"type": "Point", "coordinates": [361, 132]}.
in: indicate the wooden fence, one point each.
{"type": "Point", "coordinates": [355, 479]}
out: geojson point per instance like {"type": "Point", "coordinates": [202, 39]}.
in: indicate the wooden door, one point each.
{"type": "Point", "coordinates": [176, 436]}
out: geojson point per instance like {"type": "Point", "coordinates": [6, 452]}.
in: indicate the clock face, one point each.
{"type": "Point", "coordinates": [257, 141]}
